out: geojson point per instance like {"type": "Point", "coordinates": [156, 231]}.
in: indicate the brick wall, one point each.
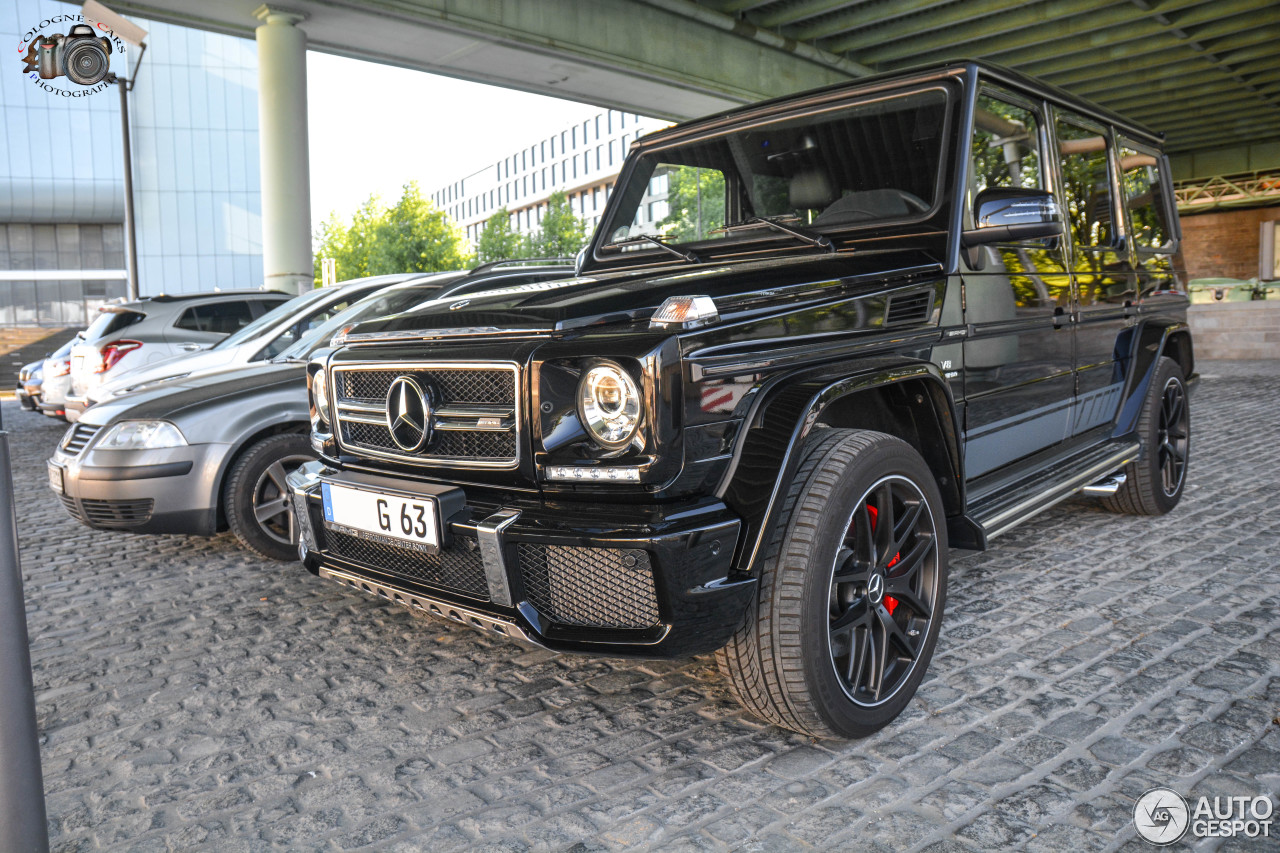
{"type": "Point", "coordinates": [1224, 243]}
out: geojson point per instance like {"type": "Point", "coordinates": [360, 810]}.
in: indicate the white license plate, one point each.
{"type": "Point", "coordinates": [55, 477]}
{"type": "Point", "coordinates": [378, 515]}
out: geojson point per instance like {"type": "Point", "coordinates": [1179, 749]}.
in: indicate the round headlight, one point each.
{"type": "Point", "coordinates": [320, 395]}
{"type": "Point", "coordinates": [609, 404]}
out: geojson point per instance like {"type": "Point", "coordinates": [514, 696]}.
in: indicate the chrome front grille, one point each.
{"type": "Point", "coordinates": [78, 437]}
{"type": "Point", "coordinates": [474, 412]}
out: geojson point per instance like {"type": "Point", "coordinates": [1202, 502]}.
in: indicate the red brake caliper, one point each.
{"type": "Point", "coordinates": [890, 603]}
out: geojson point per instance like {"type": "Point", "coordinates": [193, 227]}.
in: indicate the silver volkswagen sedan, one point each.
{"type": "Point", "coordinates": [209, 451]}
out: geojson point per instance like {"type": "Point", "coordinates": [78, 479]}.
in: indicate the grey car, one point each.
{"type": "Point", "coordinates": [209, 451]}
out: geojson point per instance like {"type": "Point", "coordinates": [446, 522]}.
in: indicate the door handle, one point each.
{"type": "Point", "coordinates": [190, 347]}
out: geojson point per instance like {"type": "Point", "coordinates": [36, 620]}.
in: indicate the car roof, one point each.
{"type": "Point", "coordinates": [922, 73]}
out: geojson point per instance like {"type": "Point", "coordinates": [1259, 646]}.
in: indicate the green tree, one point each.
{"type": "Point", "coordinates": [695, 198]}
{"type": "Point", "coordinates": [498, 242]}
{"type": "Point", "coordinates": [562, 234]}
{"type": "Point", "coordinates": [412, 236]}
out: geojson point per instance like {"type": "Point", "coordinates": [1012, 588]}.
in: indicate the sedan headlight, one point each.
{"type": "Point", "coordinates": [140, 435]}
{"type": "Point", "coordinates": [609, 404]}
{"type": "Point", "coordinates": [320, 398]}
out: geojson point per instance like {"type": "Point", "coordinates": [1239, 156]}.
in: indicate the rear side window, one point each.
{"type": "Point", "coordinates": [110, 322]}
{"type": "Point", "coordinates": [218, 317]}
{"type": "Point", "coordinates": [1086, 181]}
{"type": "Point", "coordinates": [1145, 199]}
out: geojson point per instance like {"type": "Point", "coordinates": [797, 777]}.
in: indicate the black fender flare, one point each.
{"type": "Point", "coordinates": [767, 456]}
{"type": "Point", "coordinates": [1150, 340]}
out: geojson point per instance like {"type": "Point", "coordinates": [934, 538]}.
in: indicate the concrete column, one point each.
{"type": "Point", "coordinates": [282, 144]}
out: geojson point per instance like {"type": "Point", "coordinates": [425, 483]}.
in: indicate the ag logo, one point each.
{"type": "Point", "coordinates": [1161, 816]}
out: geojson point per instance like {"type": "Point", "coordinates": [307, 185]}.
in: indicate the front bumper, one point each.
{"type": "Point", "coordinates": [170, 490]}
{"type": "Point", "coordinates": [643, 581]}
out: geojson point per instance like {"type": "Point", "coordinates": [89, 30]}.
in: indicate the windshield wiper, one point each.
{"type": "Point", "coordinates": [641, 238]}
{"type": "Point", "coordinates": [819, 240]}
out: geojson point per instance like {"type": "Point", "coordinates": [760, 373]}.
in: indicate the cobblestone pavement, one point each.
{"type": "Point", "coordinates": [194, 696]}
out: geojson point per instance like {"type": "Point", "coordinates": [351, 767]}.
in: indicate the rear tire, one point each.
{"type": "Point", "coordinates": [849, 607]}
{"type": "Point", "coordinates": [1155, 480]}
{"type": "Point", "coordinates": [256, 499]}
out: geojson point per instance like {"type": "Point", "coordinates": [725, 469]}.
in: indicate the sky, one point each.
{"type": "Point", "coordinates": [373, 128]}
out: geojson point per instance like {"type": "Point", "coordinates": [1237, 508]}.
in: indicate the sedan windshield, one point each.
{"type": "Point", "coordinates": [281, 312]}
{"type": "Point", "coordinates": [392, 300]}
{"type": "Point", "coordinates": [875, 161]}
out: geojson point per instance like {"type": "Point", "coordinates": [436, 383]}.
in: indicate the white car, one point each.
{"type": "Point", "coordinates": [263, 339]}
{"type": "Point", "coordinates": [56, 380]}
{"type": "Point", "coordinates": [126, 335]}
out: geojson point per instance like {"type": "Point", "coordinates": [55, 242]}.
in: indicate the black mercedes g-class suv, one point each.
{"type": "Point", "coordinates": [812, 344]}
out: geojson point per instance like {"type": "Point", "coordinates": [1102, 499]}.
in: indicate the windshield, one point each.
{"type": "Point", "coordinates": [269, 319]}
{"type": "Point", "coordinates": [392, 300]}
{"type": "Point", "coordinates": [875, 161]}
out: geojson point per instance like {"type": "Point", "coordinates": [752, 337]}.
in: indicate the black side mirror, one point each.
{"type": "Point", "coordinates": [1011, 215]}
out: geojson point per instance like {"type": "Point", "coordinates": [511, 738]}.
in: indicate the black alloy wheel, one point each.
{"type": "Point", "coordinates": [884, 585]}
{"type": "Point", "coordinates": [851, 593]}
{"type": "Point", "coordinates": [1154, 481]}
{"type": "Point", "coordinates": [1173, 433]}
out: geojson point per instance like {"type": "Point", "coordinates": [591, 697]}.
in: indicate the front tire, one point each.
{"type": "Point", "coordinates": [1154, 481]}
{"type": "Point", "coordinates": [256, 498]}
{"type": "Point", "coordinates": [852, 590]}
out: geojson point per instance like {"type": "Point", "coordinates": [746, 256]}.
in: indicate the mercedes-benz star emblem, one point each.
{"type": "Point", "coordinates": [875, 588]}
{"type": "Point", "coordinates": [408, 414]}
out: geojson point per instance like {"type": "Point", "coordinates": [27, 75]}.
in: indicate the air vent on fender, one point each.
{"type": "Point", "coordinates": [907, 308]}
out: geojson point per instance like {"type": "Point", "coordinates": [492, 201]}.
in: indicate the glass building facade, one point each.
{"type": "Point", "coordinates": [194, 117]}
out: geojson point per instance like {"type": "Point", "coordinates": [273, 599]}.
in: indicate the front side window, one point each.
{"type": "Point", "coordinates": [1006, 146]}
{"type": "Point", "coordinates": [1144, 197]}
{"type": "Point", "coordinates": [867, 163]}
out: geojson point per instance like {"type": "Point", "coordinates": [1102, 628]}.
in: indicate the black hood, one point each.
{"type": "Point", "coordinates": [633, 295]}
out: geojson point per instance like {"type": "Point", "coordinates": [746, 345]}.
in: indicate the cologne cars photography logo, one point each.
{"type": "Point", "coordinates": [1161, 816]}
{"type": "Point", "coordinates": [70, 56]}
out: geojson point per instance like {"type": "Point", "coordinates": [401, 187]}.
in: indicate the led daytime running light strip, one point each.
{"type": "Point", "coordinates": [593, 473]}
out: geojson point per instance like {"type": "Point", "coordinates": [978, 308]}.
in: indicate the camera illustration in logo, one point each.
{"type": "Point", "coordinates": [80, 56]}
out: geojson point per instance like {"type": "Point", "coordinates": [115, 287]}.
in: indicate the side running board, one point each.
{"type": "Point", "coordinates": [1088, 472]}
